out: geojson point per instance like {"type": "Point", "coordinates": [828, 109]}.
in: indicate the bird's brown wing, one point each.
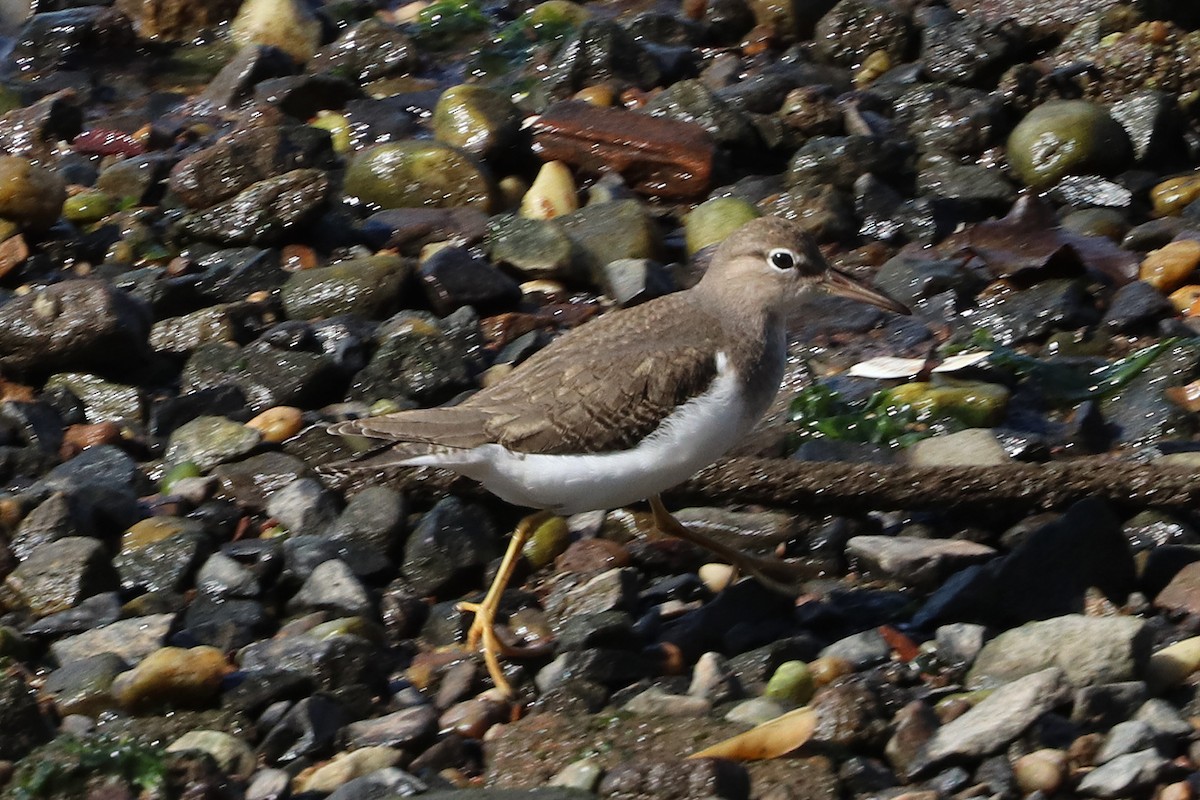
{"type": "Point", "coordinates": [601, 387]}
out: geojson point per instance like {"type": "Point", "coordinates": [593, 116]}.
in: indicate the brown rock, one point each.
{"type": "Point", "coordinates": [658, 157]}
{"type": "Point", "coordinates": [175, 20]}
{"type": "Point", "coordinates": [1183, 592]}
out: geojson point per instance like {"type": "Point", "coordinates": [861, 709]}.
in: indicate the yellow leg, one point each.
{"type": "Point", "coordinates": [484, 626]}
{"type": "Point", "coordinates": [776, 575]}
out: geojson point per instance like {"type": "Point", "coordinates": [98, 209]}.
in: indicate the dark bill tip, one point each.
{"type": "Point", "coordinates": [839, 283]}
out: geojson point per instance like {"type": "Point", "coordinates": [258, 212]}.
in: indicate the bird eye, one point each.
{"type": "Point", "coordinates": [781, 259]}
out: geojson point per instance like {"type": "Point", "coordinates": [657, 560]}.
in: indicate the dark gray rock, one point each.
{"type": "Point", "coordinates": [402, 729]}
{"type": "Point", "coordinates": [245, 157]}
{"type": "Point", "coordinates": [1124, 775]}
{"type": "Point", "coordinates": [304, 506]}
{"type": "Point", "coordinates": [267, 376]}
{"type": "Point", "coordinates": [58, 575]}
{"type": "Point", "coordinates": [453, 277]}
{"type": "Point", "coordinates": [166, 565]}
{"type": "Point", "coordinates": [83, 324]}
{"type": "Point", "coordinates": [308, 729]}
{"type": "Point", "coordinates": [1136, 305]}
{"type": "Point", "coordinates": [333, 587]}
{"type": "Point", "coordinates": [1035, 312]}
{"type": "Point", "coordinates": [1099, 707]}
{"type": "Point", "coordinates": [265, 213]}
{"type": "Point", "coordinates": [995, 721]}
{"type": "Point", "coordinates": [453, 543]}
{"type": "Point", "coordinates": [375, 518]}
{"type": "Point", "coordinates": [416, 358]}
{"type": "Point", "coordinates": [21, 719]}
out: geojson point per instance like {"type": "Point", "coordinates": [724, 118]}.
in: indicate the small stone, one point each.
{"type": "Point", "coordinates": [1169, 268]}
{"type": "Point", "coordinates": [1124, 775]}
{"type": "Point", "coordinates": [755, 711]}
{"type": "Point", "coordinates": [58, 575]}
{"type": "Point", "coordinates": [713, 220]}
{"type": "Point", "coordinates": [304, 506]}
{"type": "Point", "coordinates": [368, 286]}
{"type": "Point", "coordinates": [233, 756]}
{"type": "Point", "coordinates": [792, 682]}
{"type": "Point", "coordinates": [1125, 738]}
{"type": "Point", "coordinates": [345, 767]}
{"type": "Point", "coordinates": [30, 195]}
{"type": "Point", "coordinates": [476, 118]}
{"type": "Point", "coordinates": [278, 423]}
{"type": "Point", "coordinates": [269, 784]}
{"type": "Point", "coordinates": [1041, 771]}
{"type": "Point", "coordinates": [418, 174]}
{"type": "Point", "coordinates": [972, 447]}
{"type": "Point", "coordinates": [552, 193]}
{"type": "Point", "coordinates": [285, 24]}
{"type": "Point", "coordinates": [1067, 137]}
{"type": "Point", "coordinates": [716, 576]}
{"type": "Point", "coordinates": [860, 650]}
{"type": "Point", "coordinates": [209, 441]}
{"type": "Point", "coordinates": [583, 774]}
{"type": "Point", "coordinates": [1174, 194]}
{"type": "Point", "coordinates": [332, 587]}
{"type": "Point", "coordinates": [656, 702]}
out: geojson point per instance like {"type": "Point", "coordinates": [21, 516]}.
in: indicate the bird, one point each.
{"type": "Point", "coordinates": [627, 405]}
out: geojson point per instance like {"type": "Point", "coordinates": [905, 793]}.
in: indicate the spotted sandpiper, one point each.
{"type": "Point", "coordinates": [628, 405]}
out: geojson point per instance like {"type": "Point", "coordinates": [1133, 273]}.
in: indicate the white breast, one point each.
{"type": "Point", "coordinates": [697, 434]}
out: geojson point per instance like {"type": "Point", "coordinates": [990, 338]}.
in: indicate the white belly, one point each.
{"type": "Point", "coordinates": [697, 434]}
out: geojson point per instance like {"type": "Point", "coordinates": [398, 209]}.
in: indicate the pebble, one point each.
{"type": "Point", "coordinates": [232, 754]}
{"type": "Point", "coordinates": [972, 447]}
{"type": "Point", "coordinates": [172, 676]}
{"type": "Point", "coordinates": [345, 767]}
{"type": "Point", "coordinates": [1124, 775]}
{"type": "Point", "coordinates": [1169, 268]}
{"type": "Point", "coordinates": [1042, 771]}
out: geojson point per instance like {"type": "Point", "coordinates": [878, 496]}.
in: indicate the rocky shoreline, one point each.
{"type": "Point", "coordinates": [225, 225]}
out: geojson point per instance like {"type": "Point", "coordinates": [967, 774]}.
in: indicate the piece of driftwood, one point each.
{"type": "Point", "coordinates": [851, 487]}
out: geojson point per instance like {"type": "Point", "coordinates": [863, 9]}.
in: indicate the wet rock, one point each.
{"type": "Point", "coordinates": [286, 24]}
{"type": "Point", "coordinates": [713, 220]}
{"type": "Point", "coordinates": [917, 562]}
{"type": "Point", "coordinates": [23, 722]}
{"type": "Point", "coordinates": [600, 51]}
{"type": "Point", "coordinates": [1048, 306]}
{"type": "Point", "coordinates": [1139, 411]}
{"type": "Point", "coordinates": [691, 101]}
{"type": "Point", "coordinates": [267, 376]}
{"type": "Point", "coordinates": [137, 180]}
{"type": "Point", "coordinates": [252, 480]}
{"type": "Point", "coordinates": [954, 120]}
{"type": "Point", "coordinates": [59, 574]}
{"type": "Point", "coordinates": [77, 323]}
{"type": "Point", "coordinates": [656, 156]}
{"type": "Point", "coordinates": [994, 722]}
{"type": "Point", "coordinates": [382, 783]}
{"type": "Point", "coordinates": [964, 49]}
{"type": "Point", "coordinates": [1088, 650]}
{"type": "Point", "coordinates": [417, 357]}
{"type": "Point", "coordinates": [166, 565]}
{"type": "Point", "coordinates": [102, 400]}
{"type": "Point", "coordinates": [409, 229]}
{"type": "Point", "coordinates": [1067, 137]}
{"type": "Point", "coordinates": [83, 687]}
{"type": "Point", "coordinates": [535, 248]}
{"type": "Point", "coordinates": [453, 542]}
{"type": "Point", "coordinates": [264, 213]}
{"type": "Point", "coordinates": [347, 766]}
{"type": "Point", "coordinates": [223, 577]}
{"type": "Point", "coordinates": [1046, 575]}
{"type": "Point", "coordinates": [629, 281]}
{"type": "Point", "coordinates": [303, 506]}
{"type": "Point", "coordinates": [71, 38]}
{"type": "Point", "coordinates": [375, 519]}
{"type": "Point", "coordinates": [453, 277]}
{"type": "Point", "coordinates": [175, 676]}
{"type": "Point", "coordinates": [606, 232]}
{"type": "Point", "coordinates": [1152, 123]}
{"type": "Point", "coordinates": [94, 612]}
{"type": "Point", "coordinates": [839, 161]}
{"type": "Point", "coordinates": [480, 120]}
{"type": "Point", "coordinates": [30, 196]}
{"type": "Point", "coordinates": [309, 728]}
{"type": "Point", "coordinates": [854, 29]}
{"type": "Point", "coordinates": [368, 286]}
{"type": "Point", "coordinates": [232, 755]}
{"type": "Point", "coordinates": [131, 639]}
{"type": "Point", "coordinates": [208, 441]}
{"type": "Point", "coordinates": [327, 663]}
{"type": "Point", "coordinates": [367, 51]}
{"type": "Point", "coordinates": [418, 174]}
{"type": "Point", "coordinates": [244, 158]}
{"type": "Point", "coordinates": [173, 20]}
{"type": "Point", "coordinates": [860, 650]}
{"type": "Point", "coordinates": [1136, 305]}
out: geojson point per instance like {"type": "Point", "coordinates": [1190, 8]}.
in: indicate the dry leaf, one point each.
{"type": "Point", "coordinates": [772, 739]}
